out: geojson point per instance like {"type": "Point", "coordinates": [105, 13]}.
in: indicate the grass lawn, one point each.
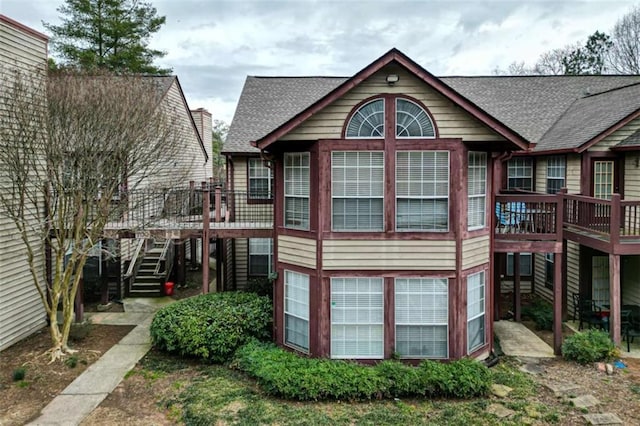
{"type": "Point", "coordinates": [215, 394]}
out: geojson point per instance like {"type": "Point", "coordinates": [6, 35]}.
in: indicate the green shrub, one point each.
{"type": "Point", "coordinates": [19, 374]}
{"type": "Point", "coordinates": [589, 346]}
{"type": "Point", "coordinates": [288, 375]}
{"type": "Point", "coordinates": [262, 286]}
{"type": "Point", "coordinates": [212, 326]}
{"type": "Point", "coordinates": [541, 312]}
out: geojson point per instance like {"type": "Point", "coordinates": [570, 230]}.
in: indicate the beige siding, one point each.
{"type": "Point", "coordinates": [630, 284]}
{"type": "Point", "coordinates": [506, 286]}
{"type": "Point", "coordinates": [451, 120]}
{"type": "Point", "coordinates": [475, 251]}
{"type": "Point", "coordinates": [631, 176]}
{"type": "Point", "coordinates": [573, 173]}
{"type": "Point", "coordinates": [389, 254]}
{"type": "Point", "coordinates": [540, 277]}
{"type": "Point", "coordinates": [242, 262]}
{"type": "Point", "coordinates": [617, 136]}
{"type": "Point", "coordinates": [21, 310]}
{"type": "Point", "coordinates": [297, 251]}
{"type": "Point", "coordinates": [202, 119]}
{"type": "Point", "coordinates": [540, 178]}
{"type": "Point", "coordinates": [573, 274]}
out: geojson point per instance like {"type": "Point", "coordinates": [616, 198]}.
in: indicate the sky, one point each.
{"type": "Point", "coordinates": [213, 45]}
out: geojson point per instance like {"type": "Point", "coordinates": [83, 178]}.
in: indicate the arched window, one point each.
{"type": "Point", "coordinates": [412, 121]}
{"type": "Point", "coordinates": [367, 121]}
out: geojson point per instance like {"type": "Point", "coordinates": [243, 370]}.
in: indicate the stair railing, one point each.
{"type": "Point", "coordinates": [134, 265]}
{"type": "Point", "coordinates": [165, 258]}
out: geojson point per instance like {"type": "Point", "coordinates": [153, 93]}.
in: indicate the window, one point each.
{"type": "Point", "coordinates": [260, 180]}
{"type": "Point", "coordinates": [475, 311]}
{"type": "Point", "coordinates": [357, 180]}
{"type": "Point", "coordinates": [412, 120]}
{"type": "Point", "coordinates": [520, 173]}
{"type": "Point", "coordinates": [603, 179]}
{"type": "Point", "coordinates": [422, 317]}
{"type": "Point", "coordinates": [548, 269]}
{"type": "Point", "coordinates": [367, 121]}
{"type": "Point", "coordinates": [296, 190]}
{"type": "Point", "coordinates": [296, 310]}
{"type": "Point", "coordinates": [477, 190]}
{"type": "Point", "coordinates": [526, 267]}
{"type": "Point", "coordinates": [556, 172]}
{"type": "Point", "coordinates": [260, 256]}
{"type": "Point", "coordinates": [357, 318]}
{"type": "Point", "coordinates": [422, 191]}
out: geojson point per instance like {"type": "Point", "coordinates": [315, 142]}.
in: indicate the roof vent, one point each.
{"type": "Point", "coordinates": [586, 92]}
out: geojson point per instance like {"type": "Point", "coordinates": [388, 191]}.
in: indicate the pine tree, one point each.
{"type": "Point", "coordinates": [108, 34]}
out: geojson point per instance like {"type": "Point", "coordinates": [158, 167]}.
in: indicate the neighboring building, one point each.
{"type": "Point", "coordinates": [21, 310]}
{"type": "Point", "coordinates": [389, 190]}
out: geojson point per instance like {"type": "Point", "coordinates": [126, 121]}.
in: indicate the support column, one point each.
{"type": "Point", "coordinates": [557, 303]}
{"type": "Point", "coordinates": [516, 287]}
{"type": "Point", "coordinates": [219, 265]}
{"type": "Point", "coordinates": [614, 298]}
{"type": "Point", "coordinates": [181, 266]}
{"type": "Point", "coordinates": [497, 267]}
{"type": "Point", "coordinates": [205, 238]}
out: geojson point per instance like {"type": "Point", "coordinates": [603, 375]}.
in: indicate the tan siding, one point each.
{"type": "Point", "coordinates": [573, 274]}
{"type": "Point", "coordinates": [540, 178]}
{"type": "Point", "coordinates": [389, 254]}
{"type": "Point", "coordinates": [21, 310]}
{"type": "Point", "coordinates": [297, 251]}
{"type": "Point", "coordinates": [475, 251]}
{"type": "Point", "coordinates": [540, 276]}
{"type": "Point", "coordinates": [617, 136]}
{"type": "Point", "coordinates": [506, 286]}
{"type": "Point", "coordinates": [242, 262]}
{"type": "Point", "coordinates": [630, 284]}
{"type": "Point", "coordinates": [451, 120]}
{"type": "Point", "coordinates": [631, 177]}
{"type": "Point", "coordinates": [573, 174]}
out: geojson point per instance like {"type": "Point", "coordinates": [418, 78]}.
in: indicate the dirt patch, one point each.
{"type": "Point", "coordinates": [22, 400]}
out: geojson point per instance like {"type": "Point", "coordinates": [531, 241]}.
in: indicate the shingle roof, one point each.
{"type": "Point", "coordinates": [633, 140]}
{"type": "Point", "coordinates": [532, 106]}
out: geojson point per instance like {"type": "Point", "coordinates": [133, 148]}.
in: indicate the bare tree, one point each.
{"type": "Point", "coordinates": [69, 160]}
{"type": "Point", "coordinates": [624, 55]}
{"type": "Point", "coordinates": [551, 61]}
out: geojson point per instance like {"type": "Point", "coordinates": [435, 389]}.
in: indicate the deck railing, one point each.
{"type": "Point", "coordinates": [588, 213]}
{"type": "Point", "coordinates": [526, 216]}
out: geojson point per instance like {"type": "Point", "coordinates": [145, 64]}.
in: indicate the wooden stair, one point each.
{"type": "Point", "coordinates": [146, 282]}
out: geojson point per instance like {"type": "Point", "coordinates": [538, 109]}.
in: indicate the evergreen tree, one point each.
{"type": "Point", "coordinates": [108, 34]}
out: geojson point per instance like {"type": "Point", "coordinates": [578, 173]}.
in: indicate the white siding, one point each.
{"type": "Point", "coordinates": [388, 254]}
{"type": "Point", "coordinates": [21, 310]}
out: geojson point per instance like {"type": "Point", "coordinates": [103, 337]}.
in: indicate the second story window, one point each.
{"type": "Point", "coordinates": [260, 180]}
{"type": "Point", "coordinates": [477, 190]}
{"type": "Point", "coordinates": [412, 121]}
{"type": "Point", "coordinates": [422, 191]}
{"type": "Point", "coordinates": [296, 190]}
{"type": "Point", "coordinates": [556, 172]}
{"type": "Point", "coordinates": [357, 191]}
{"type": "Point", "coordinates": [367, 121]}
{"type": "Point", "coordinates": [520, 173]}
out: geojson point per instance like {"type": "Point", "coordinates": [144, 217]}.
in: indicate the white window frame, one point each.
{"type": "Point", "coordinates": [556, 172]}
{"type": "Point", "coordinates": [296, 293]}
{"type": "Point", "coordinates": [296, 190]}
{"type": "Point", "coordinates": [520, 168]}
{"type": "Point", "coordinates": [346, 182]}
{"type": "Point", "coordinates": [366, 320]}
{"type": "Point", "coordinates": [257, 248]}
{"type": "Point", "coordinates": [411, 312]}
{"type": "Point", "coordinates": [416, 118]}
{"type": "Point", "coordinates": [412, 182]}
{"type": "Point", "coordinates": [523, 273]}
{"type": "Point", "coordinates": [254, 165]}
{"type": "Point", "coordinates": [603, 179]}
{"type": "Point", "coordinates": [482, 308]}
{"type": "Point", "coordinates": [477, 176]}
{"type": "Point", "coordinates": [358, 113]}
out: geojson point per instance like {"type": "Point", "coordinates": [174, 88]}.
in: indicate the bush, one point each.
{"type": "Point", "coordinates": [19, 374]}
{"type": "Point", "coordinates": [288, 375]}
{"type": "Point", "coordinates": [261, 286]}
{"type": "Point", "coordinates": [541, 312]}
{"type": "Point", "coordinates": [589, 346]}
{"type": "Point", "coordinates": [212, 326]}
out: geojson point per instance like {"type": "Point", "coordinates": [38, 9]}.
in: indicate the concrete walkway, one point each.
{"type": "Point", "coordinates": [518, 340]}
{"type": "Point", "coordinates": [89, 389]}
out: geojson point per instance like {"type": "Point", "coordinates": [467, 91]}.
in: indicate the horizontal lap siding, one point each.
{"type": "Point", "coordinates": [475, 251]}
{"type": "Point", "coordinates": [21, 310]}
{"type": "Point", "coordinates": [297, 251]}
{"type": "Point", "coordinates": [451, 120]}
{"type": "Point", "coordinates": [631, 280]}
{"type": "Point", "coordinates": [617, 136]}
{"type": "Point", "coordinates": [388, 254]}
{"type": "Point", "coordinates": [540, 277]}
{"type": "Point", "coordinates": [540, 177]}
{"type": "Point", "coordinates": [242, 262]}
{"type": "Point", "coordinates": [573, 174]}
{"type": "Point", "coordinates": [631, 177]}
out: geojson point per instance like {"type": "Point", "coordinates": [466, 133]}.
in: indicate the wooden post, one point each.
{"type": "Point", "coordinates": [614, 221]}
{"type": "Point", "coordinates": [193, 242]}
{"type": "Point", "coordinates": [557, 304]}
{"type": "Point", "coordinates": [219, 265]}
{"type": "Point", "coordinates": [498, 266]}
{"type": "Point", "coordinates": [516, 287]}
{"type": "Point", "coordinates": [181, 266]}
{"type": "Point", "coordinates": [614, 299]}
{"type": "Point", "coordinates": [205, 238]}
{"type": "Point", "coordinates": [218, 203]}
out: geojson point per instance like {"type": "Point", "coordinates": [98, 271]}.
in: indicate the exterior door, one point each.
{"type": "Point", "coordinates": [600, 279]}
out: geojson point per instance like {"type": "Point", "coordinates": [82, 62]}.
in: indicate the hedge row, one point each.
{"type": "Point", "coordinates": [212, 326]}
{"type": "Point", "coordinates": [284, 374]}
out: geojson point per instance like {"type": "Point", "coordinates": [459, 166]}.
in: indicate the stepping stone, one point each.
{"type": "Point", "coordinates": [500, 391]}
{"type": "Point", "coordinates": [500, 411]}
{"type": "Point", "coordinates": [563, 389]}
{"type": "Point", "coordinates": [532, 368]}
{"type": "Point", "coordinates": [584, 401]}
{"type": "Point", "coordinates": [602, 419]}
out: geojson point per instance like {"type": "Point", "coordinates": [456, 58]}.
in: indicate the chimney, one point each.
{"type": "Point", "coordinates": [202, 118]}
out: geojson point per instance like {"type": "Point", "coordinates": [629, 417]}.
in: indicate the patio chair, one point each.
{"type": "Point", "coordinates": [505, 219]}
{"type": "Point", "coordinates": [590, 314]}
{"type": "Point", "coordinates": [627, 328]}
